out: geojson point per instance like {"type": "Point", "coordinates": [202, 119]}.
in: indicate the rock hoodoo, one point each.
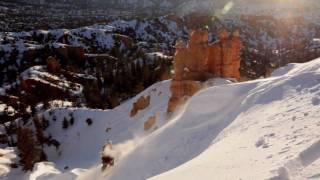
{"type": "Point", "coordinates": [199, 61]}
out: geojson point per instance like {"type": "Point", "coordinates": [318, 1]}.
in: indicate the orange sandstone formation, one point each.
{"type": "Point", "coordinates": [141, 104]}
{"type": "Point", "coordinates": [149, 123]}
{"type": "Point", "coordinates": [180, 91]}
{"type": "Point", "coordinates": [198, 61]}
{"type": "Point", "coordinates": [190, 62]}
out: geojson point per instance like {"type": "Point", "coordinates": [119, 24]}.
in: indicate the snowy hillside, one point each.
{"type": "Point", "coordinates": [262, 129]}
{"type": "Point", "coordinates": [81, 143]}
{"type": "Point", "coordinates": [227, 131]}
{"type": "Point", "coordinates": [267, 130]}
{"type": "Point", "coordinates": [255, 130]}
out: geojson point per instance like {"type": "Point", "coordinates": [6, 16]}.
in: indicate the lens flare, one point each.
{"type": "Point", "coordinates": [227, 8]}
{"type": "Point", "coordinates": [219, 13]}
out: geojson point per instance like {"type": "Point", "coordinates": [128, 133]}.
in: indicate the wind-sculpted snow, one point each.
{"type": "Point", "coordinates": [272, 136]}
{"type": "Point", "coordinates": [261, 129]}
{"type": "Point", "coordinates": [265, 129]}
{"type": "Point", "coordinates": [245, 130]}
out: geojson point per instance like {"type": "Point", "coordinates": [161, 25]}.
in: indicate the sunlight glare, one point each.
{"type": "Point", "coordinates": [227, 7]}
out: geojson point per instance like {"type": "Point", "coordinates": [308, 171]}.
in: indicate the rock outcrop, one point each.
{"type": "Point", "coordinates": [149, 123]}
{"type": "Point", "coordinates": [180, 91]}
{"type": "Point", "coordinates": [41, 83]}
{"type": "Point", "coordinates": [199, 61]}
{"type": "Point", "coordinates": [140, 104]}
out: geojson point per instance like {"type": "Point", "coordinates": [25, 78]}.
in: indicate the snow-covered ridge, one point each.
{"type": "Point", "coordinates": [101, 34]}
{"type": "Point", "coordinates": [39, 73]}
{"type": "Point", "coordinates": [262, 129]}
{"type": "Point", "coordinates": [256, 130]}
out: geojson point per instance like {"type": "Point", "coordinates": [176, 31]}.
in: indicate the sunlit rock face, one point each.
{"type": "Point", "coordinates": [224, 56]}
{"type": "Point", "coordinates": [140, 104]}
{"type": "Point", "coordinates": [199, 61]}
{"type": "Point", "coordinates": [149, 123]}
{"type": "Point", "coordinates": [44, 83]}
{"type": "Point", "coordinates": [190, 62]}
{"type": "Point", "coordinates": [180, 91]}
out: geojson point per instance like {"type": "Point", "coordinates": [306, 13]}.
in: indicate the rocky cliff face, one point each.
{"type": "Point", "coordinates": [199, 60]}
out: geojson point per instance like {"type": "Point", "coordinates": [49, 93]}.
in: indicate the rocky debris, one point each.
{"type": "Point", "coordinates": [140, 104]}
{"type": "Point", "coordinates": [149, 123]}
{"type": "Point", "coordinates": [53, 65]}
{"type": "Point", "coordinates": [199, 60]}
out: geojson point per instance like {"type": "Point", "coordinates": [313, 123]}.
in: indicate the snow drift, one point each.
{"type": "Point", "coordinates": [261, 129]}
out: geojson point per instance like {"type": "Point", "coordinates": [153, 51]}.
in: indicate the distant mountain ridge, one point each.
{"type": "Point", "coordinates": [121, 4]}
{"type": "Point", "coordinates": [153, 8]}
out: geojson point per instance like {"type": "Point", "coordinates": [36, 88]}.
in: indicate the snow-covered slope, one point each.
{"type": "Point", "coordinates": [271, 128]}
{"type": "Point", "coordinates": [262, 129]}
{"type": "Point", "coordinates": [81, 144]}
{"type": "Point", "coordinates": [253, 130]}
